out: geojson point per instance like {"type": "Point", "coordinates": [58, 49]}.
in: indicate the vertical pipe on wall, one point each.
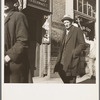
{"type": "Point", "coordinates": [69, 10]}
{"type": "Point", "coordinates": [49, 45]}
{"type": "Point", "coordinates": [49, 49]}
{"type": "Point", "coordinates": [41, 64]}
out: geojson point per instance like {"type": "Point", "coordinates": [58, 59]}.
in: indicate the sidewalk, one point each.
{"type": "Point", "coordinates": [47, 80]}
{"type": "Point", "coordinates": [55, 78]}
{"type": "Point", "coordinates": [59, 81]}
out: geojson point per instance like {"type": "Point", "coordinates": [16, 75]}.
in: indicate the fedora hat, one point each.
{"type": "Point", "coordinates": [13, 1]}
{"type": "Point", "coordinates": [67, 17]}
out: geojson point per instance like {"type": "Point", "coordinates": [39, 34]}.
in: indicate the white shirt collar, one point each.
{"type": "Point", "coordinates": [67, 31]}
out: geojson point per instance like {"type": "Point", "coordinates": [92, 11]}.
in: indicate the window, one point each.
{"type": "Point", "coordinates": [80, 5]}
{"type": "Point", "coordinates": [89, 10]}
{"type": "Point", "coordinates": [75, 4]}
{"type": "Point", "coordinates": [84, 7]}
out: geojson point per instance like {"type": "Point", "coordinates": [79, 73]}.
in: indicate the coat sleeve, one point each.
{"type": "Point", "coordinates": [21, 44]}
{"type": "Point", "coordinates": [80, 43]}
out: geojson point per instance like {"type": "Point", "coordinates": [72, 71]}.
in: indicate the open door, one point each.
{"type": "Point", "coordinates": [35, 37]}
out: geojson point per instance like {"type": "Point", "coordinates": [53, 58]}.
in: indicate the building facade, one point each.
{"type": "Point", "coordinates": [46, 29]}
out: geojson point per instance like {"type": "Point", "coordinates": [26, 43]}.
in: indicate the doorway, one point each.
{"type": "Point", "coordinates": [34, 17]}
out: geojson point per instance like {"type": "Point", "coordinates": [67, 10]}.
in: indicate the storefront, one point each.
{"type": "Point", "coordinates": [38, 15]}
{"type": "Point", "coordinates": [84, 15]}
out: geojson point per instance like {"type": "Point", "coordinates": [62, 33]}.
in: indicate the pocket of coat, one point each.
{"type": "Point", "coordinates": [74, 62]}
{"type": "Point", "coordinates": [75, 54]}
{"type": "Point", "coordinates": [15, 67]}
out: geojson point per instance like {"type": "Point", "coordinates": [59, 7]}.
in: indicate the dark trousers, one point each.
{"type": "Point", "coordinates": [66, 79]}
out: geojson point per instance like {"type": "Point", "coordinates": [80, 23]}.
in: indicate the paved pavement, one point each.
{"type": "Point", "coordinates": [59, 81]}
{"type": "Point", "coordinates": [89, 81]}
{"type": "Point", "coordinates": [47, 80]}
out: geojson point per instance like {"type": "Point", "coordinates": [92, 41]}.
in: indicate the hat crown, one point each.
{"type": "Point", "coordinates": [67, 17]}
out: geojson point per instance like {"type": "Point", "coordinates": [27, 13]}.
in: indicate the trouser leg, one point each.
{"type": "Point", "coordinates": [73, 79]}
{"type": "Point", "coordinates": [6, 74]}
{"type": "Point", "coordinates": [66, 79]}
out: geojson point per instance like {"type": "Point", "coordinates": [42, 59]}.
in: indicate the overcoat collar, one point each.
{"type": "Point", "coordinates": [8, 16]}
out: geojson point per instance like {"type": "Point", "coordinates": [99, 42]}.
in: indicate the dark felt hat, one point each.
{"type": "Point", "coordinates": [11, 1]}
{"type": "Point", "coordinates": [67, 17]}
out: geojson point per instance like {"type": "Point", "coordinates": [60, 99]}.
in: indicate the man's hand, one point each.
{"type": "Point", "coordinates": [6, 59]}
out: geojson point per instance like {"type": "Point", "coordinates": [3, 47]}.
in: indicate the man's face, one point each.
{"type": "Point", "coordinates": [67, 24]}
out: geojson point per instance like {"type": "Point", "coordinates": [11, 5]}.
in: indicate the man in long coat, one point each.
{"type": "Point", "coordinates": [72, 45]}
{"type": "Point", "coordinates": [15, 45]}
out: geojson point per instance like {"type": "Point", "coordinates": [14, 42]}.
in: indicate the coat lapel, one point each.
{"type": "Point", "coordinates": [70, 34]}
{"type": "Point", "coordinates": [8, 17]}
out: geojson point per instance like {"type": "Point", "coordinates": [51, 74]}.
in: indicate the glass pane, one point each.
{"type": "Point", "coordinates": [80, 5]}
{"type": "Point", "coordinates": [89, 10]}
{"type": "Point", "coordinates": [85, 6]}
{"type": "Point", "coordinates": [75, 4]}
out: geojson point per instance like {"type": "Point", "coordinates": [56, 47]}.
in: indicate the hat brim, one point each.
{"type": "Point", "coordinates": [67, 18]}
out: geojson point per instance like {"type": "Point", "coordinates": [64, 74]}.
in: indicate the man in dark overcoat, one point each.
{"type": "Point", "coordinates": [71, 47]}
{"type": "Point", "coordinates": [16, 68]}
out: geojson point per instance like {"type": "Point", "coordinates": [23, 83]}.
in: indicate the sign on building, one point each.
{"type": "Point", "coordinates": [40, 4]}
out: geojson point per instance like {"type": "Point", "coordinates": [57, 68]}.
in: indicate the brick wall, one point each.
{"type": "Point", "coordinates": [56, 30]}
{"type": "Point", "coordinates": [58, 10]}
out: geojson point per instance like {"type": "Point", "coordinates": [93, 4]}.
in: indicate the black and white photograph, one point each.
{"type": "Point", "coordinates": [50, 42]}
